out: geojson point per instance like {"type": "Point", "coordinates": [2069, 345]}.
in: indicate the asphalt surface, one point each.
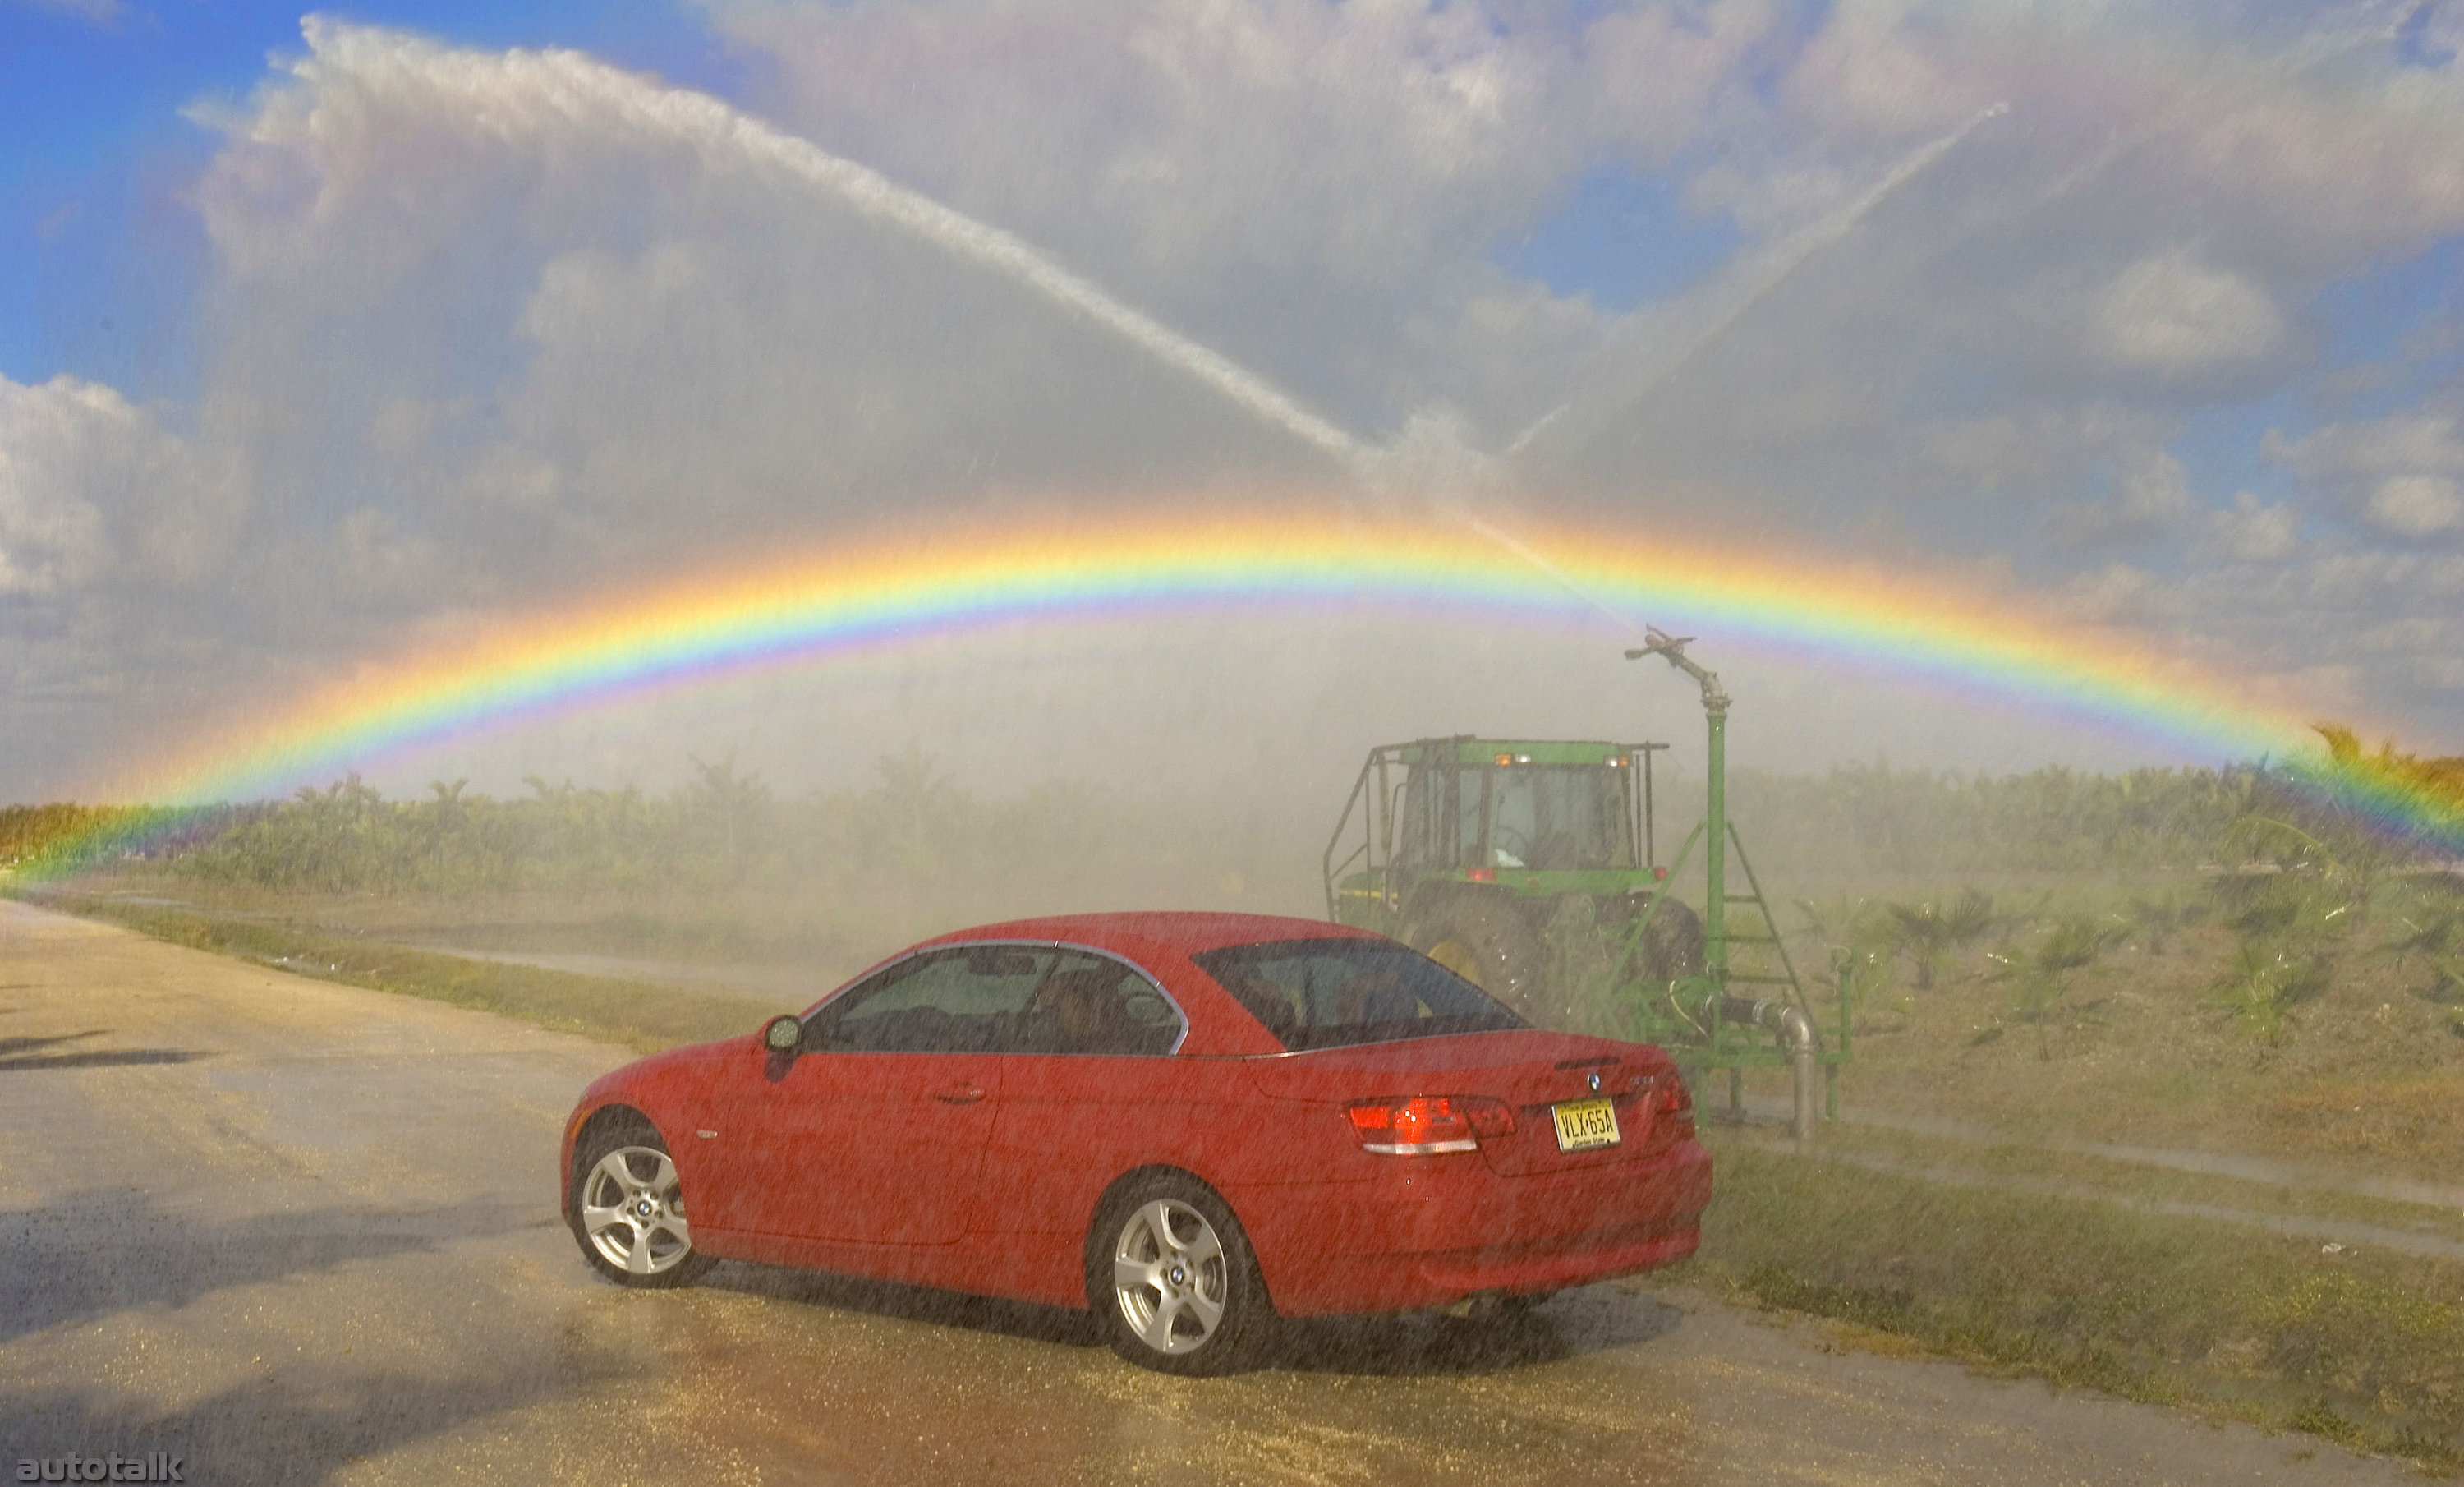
{"type": "Point", "coordinates": [293, 1231]}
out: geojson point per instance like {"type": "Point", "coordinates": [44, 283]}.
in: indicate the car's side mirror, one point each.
{"type": "Point", "coordinates": [783, 1034]}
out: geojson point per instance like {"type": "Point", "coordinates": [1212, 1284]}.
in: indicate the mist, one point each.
{"type": "Point", "coordinates": [401, 412]}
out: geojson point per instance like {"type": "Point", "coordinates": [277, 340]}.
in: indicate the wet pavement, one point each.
{"type": "Point", "coordinates": [292, 1231]}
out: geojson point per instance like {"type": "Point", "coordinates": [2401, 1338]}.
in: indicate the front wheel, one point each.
{"type": "Point", "coordinates": [628, 1210]}
{"type": "Point", "coordinates": [1173, 1277]}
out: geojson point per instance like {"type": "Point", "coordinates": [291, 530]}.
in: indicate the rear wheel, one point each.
{"type": "Point", "coordinates": [629, 1209]}
{"type": "Point", "coordinates": [1672, 944]}
{"type": "Point", "coordinates": [1487, 941]}
{"type": "Point", "coordinates": [1172, 1274]}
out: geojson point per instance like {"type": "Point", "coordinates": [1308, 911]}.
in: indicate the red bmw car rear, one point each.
{"type": "Point", "coordinates": [1191, 1122]}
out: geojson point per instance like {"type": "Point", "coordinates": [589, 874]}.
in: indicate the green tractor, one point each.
{"type": "Point", "coordinates": [1531, 868]}
{"type": "Point", "coordinates": [1469, 850]}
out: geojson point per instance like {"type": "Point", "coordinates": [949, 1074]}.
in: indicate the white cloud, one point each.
{"type": "Point", "coordinates": [1888, 67]}
{"type": "Point", "coordinates": [50, 529]}
{"type": "Point", "coordinates": [2400, 475]}
{"type": "Point", "coordinates": [2152, 498]}
{"type": "Point", "coordinates": [2417, 505]}
{"type": "Point", "coordinates": [2036, 447]}
{"type": "Point", "coordinates": [2253, 531]}
{"type": "Point", "coordinates": [2120, 593]}
{"type": "Point", "coordinates": [2175, 315]}
{"type": "Point", "coordinates": [94, 490]}
{"type": "Point", "coordinates": [2417, 443]}
{"type": "Point", "coordinates": [2173, 105]}
{"type": "Point", "coordinates": [1175, 136]}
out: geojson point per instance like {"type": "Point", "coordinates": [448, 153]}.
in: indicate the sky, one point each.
{"type": "Point", "coordinates": [335, 339]}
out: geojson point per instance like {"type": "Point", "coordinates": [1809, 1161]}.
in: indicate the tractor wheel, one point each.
{"type": "Point", "coordinates": [1487, 941]}
{"type": "Point", "coordinates": [1672, 944]}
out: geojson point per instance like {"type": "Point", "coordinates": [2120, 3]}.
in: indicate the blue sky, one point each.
{"type": "Point", "coordinates": [99, 265]}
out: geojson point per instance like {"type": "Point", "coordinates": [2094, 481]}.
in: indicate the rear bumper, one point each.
{"type": "Point", "coordinates": [1430, 1232]}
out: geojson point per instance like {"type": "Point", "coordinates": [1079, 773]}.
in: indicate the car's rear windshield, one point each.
{"type": "Point", "coordinates": [1334, 993]}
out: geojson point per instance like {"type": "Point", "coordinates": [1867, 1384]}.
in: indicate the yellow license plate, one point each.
{"type": "Point", "coordinates": [1585, 1123]}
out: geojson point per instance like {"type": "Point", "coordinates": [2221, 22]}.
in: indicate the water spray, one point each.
{"type": "Point", "coordinates": [557, 79]}
{"type": "Point", "coordinates": [1756, 282]}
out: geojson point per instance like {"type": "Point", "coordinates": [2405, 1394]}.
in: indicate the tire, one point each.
{"type": "Point", "coordinates": [628, 1209]}
{"type": "Point", "coordinates": [1172, 1279]}
{"type": "Point", "coordinates": [1484, 938]}
{"type": "Point", "coordinates": [1672, 944]}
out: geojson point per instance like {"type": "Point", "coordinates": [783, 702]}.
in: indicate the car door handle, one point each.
{"type": "Point", "coordinates": [958, 1094]}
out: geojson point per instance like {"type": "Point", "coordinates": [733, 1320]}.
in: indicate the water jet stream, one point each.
{"type": "Point", "coordinates": [2309, 52]}
{"type": "Point", "coordinates": [1749, 284]}
{"type": "Point", "coordinates": [568, 85]}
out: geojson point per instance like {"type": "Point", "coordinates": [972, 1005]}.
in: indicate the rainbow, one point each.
{"type": "Point", "coordinates": [897, 590]}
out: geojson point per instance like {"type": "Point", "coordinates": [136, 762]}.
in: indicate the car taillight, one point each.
{"type": "Point", "coordinates": [1427, 1124]}
{"type": "Point", "coordinates": [1675, 1100]}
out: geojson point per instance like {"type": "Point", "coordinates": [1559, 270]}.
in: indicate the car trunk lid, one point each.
{"type": "Point", "coordinates": [1532, 1073]}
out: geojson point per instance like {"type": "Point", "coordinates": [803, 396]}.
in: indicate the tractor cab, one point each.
{"type": "Point", "coordinates": [1543, 815]}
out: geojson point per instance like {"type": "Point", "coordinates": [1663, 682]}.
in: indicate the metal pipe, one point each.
{"type": "Point", "coordinates": [1650, 830]}
{"type": "Point", "coordinates": [1715, 711]}
{"type": "Point", "coordinates": [1797, 1039]}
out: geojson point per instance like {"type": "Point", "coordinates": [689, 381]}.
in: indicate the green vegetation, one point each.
{"type": "Point", "coordinates": [2430, 934]}
{"type": "Point", "coordinates": [1870, 820]}
{"type": "Point", "coordinates": [2362, 1346]}
{"type": "Point", "coordinates": [2265, 980]}
{"type": "Point", "coordinates": [1926, 931]}
{"type": "Point", "coordinates": [911, 853]}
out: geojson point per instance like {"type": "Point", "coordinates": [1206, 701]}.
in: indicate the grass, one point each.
{"type": "Point", "coordinates": [2361, 1346]}
{"type": "Point", "coordinates": [646, 1018]}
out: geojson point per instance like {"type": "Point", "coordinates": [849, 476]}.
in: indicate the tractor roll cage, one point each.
{"type": "Point", "coordinates": [1375, 802]}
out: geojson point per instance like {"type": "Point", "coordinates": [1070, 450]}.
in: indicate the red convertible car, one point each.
{"type": "Point", "coordinates": [1193, 1124]}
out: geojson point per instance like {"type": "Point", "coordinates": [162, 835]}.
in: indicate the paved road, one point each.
{"type": "Point", "coordinates": [295, 1231]}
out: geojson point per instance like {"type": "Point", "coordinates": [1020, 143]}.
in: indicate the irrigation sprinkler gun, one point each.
{"type": "Point", "coordinates": [1725, 1024]}
{"type": "Point", "coordinates": [1529, 867]}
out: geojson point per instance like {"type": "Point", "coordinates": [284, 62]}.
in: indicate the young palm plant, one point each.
{"type": "Point", "coordinates": [2265, 980]}
{"type": "Point", "coordinates": [1857, 937]}
{"type": "Point", "coordinates": [1927, 932]}
{"type": "Point", "coordinates": [2041, 976]}
{"type": "Point", "coordinates": [2435, 938]}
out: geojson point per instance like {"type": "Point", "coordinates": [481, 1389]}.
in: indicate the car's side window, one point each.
{"type": "Point", "coordinates": [1090, 1004]}
{"type": "Point", "coordinates": [965, 999]}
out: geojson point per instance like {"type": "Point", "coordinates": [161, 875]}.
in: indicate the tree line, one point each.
{"type": "Point", "coordinates": [726, 828]}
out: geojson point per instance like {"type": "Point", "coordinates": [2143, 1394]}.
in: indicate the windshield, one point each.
{"type": "Point", "coordinates": [1333, 994]}
{"type": "Point", "coordinates": [1561, 818]}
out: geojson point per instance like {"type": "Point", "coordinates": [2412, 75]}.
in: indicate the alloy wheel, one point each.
{"type": "Point", "coordinates": [633, 1212]}
{"type": "Point", "coordinates": [1169, 1277]}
